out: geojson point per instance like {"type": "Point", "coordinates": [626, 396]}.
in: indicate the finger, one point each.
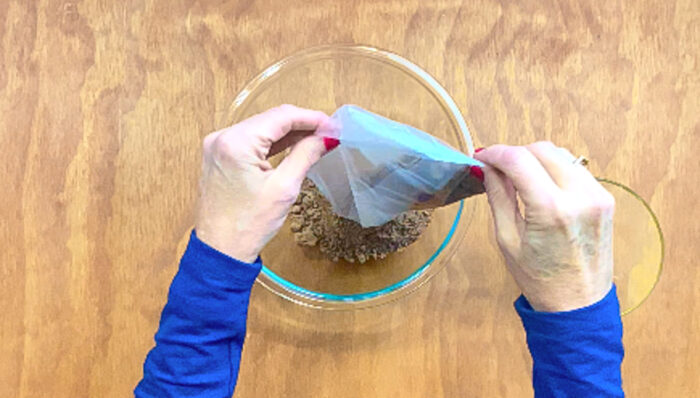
{"type": "Point", "coordinates": [568, 156]}
{"type": "Point", "coordinates": [528, 176]}
{"type": "Point", "coordinates": [504, 207]}
{"type": "Point", "coordinates": [558, 165]}
{"type": "Point", "coordinates": [295, 136]}
{"type": "Point", "coordinates": [583, 170]}
{"type": "Point", "coordinates": [303, 155]}
{"type": "Point", "coordinates": [275, 123]}
{"type": "Point", "coordinates": [592, 185]}
{"type": "Point", "coordinates": [288, 141]}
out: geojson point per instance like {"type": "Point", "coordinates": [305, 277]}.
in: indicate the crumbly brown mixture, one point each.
{"type": "Point", "coordinates": [314, 223]}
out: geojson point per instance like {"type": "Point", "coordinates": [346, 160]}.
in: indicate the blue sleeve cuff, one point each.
{"type": "Point", "coordinates": [595, 316]}
{"type": "Point", "coordinates": [217, 267]}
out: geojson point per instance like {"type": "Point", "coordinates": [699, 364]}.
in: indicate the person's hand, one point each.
{"type": "Point", "coordinates": [560, 250]}
{"type": "Point", "coordinates": [244, 200]}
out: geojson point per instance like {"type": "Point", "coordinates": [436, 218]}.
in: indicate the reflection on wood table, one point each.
{"type": "Point", "coordinates": [104, 105]}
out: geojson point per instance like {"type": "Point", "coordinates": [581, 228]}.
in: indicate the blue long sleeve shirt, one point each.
{"type": "Point", "coordinates": [202, 328]}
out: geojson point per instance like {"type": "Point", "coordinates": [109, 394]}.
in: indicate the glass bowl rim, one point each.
{"type": "Point", "coordinates": [662, 243]}
{"type": "Point", "coordinates": [422, 274]}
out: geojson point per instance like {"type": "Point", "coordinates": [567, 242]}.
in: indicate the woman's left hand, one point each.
{"type": "Point", "coordinates": [243, 199]}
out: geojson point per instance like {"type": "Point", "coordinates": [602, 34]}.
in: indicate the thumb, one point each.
{"type": "Point", "coordinates": [301, 157]}
{"type": "Point", "coordinates": [504, 207]}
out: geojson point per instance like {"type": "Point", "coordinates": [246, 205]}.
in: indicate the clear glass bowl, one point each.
{"type": "Point", "coordinates": [638, 246]}
{"type": "Point", "coordinates": [325, 78]}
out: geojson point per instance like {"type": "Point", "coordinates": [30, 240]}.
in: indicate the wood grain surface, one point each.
{"type": "Point", "coordinates": [103, 105]}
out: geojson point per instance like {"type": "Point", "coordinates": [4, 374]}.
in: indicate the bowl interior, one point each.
{"type": "Point", "coordinates": [326, 78]}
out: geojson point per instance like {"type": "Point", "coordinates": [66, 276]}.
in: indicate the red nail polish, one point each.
{"type": "Point", "coordinates": [477, 172]}
{"type": "Point", "coordinates": [330, 143]}
{"type": "Point", "coordinates": [477, 150]}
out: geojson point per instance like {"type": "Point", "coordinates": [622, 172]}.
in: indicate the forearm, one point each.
{"type": "Point", "coordinates": [202, 327]}
{"type": "Point", "coordinates": [576, 353]}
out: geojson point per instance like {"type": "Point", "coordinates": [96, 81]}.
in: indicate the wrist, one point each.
{"type": "Point", "coordinates": [234, 245]}
{"type": "Point", "coordinates": [553, 300]}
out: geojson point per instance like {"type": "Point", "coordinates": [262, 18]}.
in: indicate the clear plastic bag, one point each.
{"type": "Point", "coordinates": [383, 168]}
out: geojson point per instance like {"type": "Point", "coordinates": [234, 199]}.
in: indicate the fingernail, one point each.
{"type": "Point", "coordinates": [477, 172]}
{"type": "Point", "coordinates": [330, 143]}
{"type": "Point", "coordinates": [477, 150]}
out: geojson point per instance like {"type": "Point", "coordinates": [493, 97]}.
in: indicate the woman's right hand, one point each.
{"type": "Point", "coordinates": [559, 250]}
{"type": "Point", "coordinates": [243, 200]}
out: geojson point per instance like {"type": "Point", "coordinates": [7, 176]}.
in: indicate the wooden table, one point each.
{"type": "Point", "coordinates": [104, 105]}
